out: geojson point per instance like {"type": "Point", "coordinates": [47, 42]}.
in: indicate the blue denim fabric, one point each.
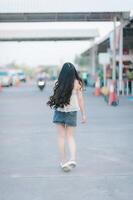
{"type": "Point", "coordinates": [66, 118]}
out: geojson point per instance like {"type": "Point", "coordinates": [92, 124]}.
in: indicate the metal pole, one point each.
{"type": "Point", "coordinates": [104, 75]}
{"type": "Point", "coordinates": [93, 59]}
{"type": "Point", "coordinates": [123, 88]}
{"type": "Point", "coordinates": [121, 57]}
{"type": "Point", "coordinates": [114, 51]}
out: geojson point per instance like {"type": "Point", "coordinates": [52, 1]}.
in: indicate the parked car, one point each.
{"type": "Point", "coordinates": [5, 78]}
{"type": "Point", "coordinates": [14, 75]}
{"type": "Point", "coordinates": [21, 75]}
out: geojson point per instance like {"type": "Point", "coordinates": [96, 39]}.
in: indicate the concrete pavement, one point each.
{"type": "Point", "coordinates": [29, 154]}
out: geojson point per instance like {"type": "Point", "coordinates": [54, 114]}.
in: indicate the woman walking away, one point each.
{"type": "Point", "coordinates": [67, 100]}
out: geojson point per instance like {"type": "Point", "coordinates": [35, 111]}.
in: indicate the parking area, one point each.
{"type": "Point", "coordinates": [29, 162]}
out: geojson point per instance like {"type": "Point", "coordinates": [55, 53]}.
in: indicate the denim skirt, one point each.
{"type": "Point", "coordinates": [66, 118]}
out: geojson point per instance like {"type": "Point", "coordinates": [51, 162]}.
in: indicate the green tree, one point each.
{"type": "Point", "coordinates": [81, 61]}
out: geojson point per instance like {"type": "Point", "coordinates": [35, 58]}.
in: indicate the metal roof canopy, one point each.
{"type": "Point", "coordinates": [63, 16]}
{"type": "Point", "coordinates": [48, 35]}
{"type": "Point", "coordinates": [104, 44]}
{"type": "Point", "coordinates": [50, 6]}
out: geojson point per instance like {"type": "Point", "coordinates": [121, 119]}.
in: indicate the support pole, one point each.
{"type": "Point", "coordinates": [104, 75]}
{"type": "Point", "coordinates": [114, 51]}
{"type": "Point", "coordinates": [93, 59]}
{"type": "Point", "coordinates": [121, 57]}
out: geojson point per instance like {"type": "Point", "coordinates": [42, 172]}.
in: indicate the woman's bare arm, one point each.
{"type": "Point", "coordinates": [80, 101]}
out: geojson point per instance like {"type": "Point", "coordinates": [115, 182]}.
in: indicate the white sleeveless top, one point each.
{"type": "Point", "coordinates": [73, 106]}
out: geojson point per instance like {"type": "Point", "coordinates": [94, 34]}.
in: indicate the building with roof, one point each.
{"type": "Point", "coordinates": [123, 52]}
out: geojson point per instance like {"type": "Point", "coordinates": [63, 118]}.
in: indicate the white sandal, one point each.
{"type": "Point", "coordinates": [65, 167]}
{"type": "Point", "coordinates": [72, 163]}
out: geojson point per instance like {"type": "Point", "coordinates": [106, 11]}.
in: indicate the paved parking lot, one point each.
{"type": "Point", "coordinates": [29, 154]}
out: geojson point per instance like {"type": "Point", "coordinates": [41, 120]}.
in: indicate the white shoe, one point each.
{"type": "Point", "coordinates": [72, 163]}
{"type": "Point", "coordinates": [65, 167]}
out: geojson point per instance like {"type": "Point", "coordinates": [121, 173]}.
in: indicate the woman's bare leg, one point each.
{"type": "Point", "coordinates": [71, 141]}
{"type": "Point", "coordinates": [61, 142]}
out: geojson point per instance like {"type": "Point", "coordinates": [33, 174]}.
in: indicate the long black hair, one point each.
{"type": "Point", "coordinates": [64, 86]}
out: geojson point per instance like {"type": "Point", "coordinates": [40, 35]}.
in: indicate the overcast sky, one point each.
{"type": "Point", "coordinates": [64, 5]}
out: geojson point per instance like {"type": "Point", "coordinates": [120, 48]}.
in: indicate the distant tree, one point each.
{"type": "Point", "coordinates": [13, 65]}
{"type": "Point", "coordinates": [81, 61]}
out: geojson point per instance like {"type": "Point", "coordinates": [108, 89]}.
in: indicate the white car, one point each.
{"type": "Point", "coordinates": [5, 78]}
{"type": "Point", "coordinates": [21, 75]}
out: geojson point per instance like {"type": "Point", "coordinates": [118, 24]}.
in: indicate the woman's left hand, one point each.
{"type": "Point", "coordinates": [84, 120]}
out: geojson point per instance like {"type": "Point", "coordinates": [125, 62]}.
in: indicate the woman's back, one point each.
{"type": "Point", "coordinates": [73, 105]}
